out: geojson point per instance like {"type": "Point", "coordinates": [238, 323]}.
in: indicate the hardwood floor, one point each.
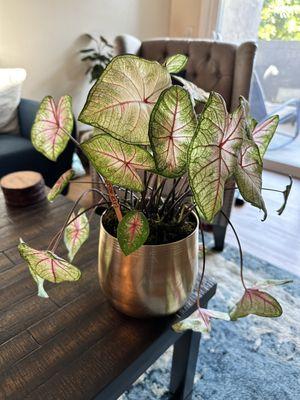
{"type": "Point", "coordinates": [276, 240]}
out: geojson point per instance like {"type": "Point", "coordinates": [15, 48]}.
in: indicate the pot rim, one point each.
{"type": "Point", "coordinates": [155, 245]}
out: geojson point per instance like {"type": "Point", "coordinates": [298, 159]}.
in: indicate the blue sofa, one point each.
{"type": "Point", "coordinates": [17, 152]}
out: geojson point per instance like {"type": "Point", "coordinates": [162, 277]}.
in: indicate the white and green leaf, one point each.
{"type": "Point", "coordinates": [53, 126]}
{"type": "Point", "coordinates": [196, 93]}
{"type": "Point", "coordinates": [269, 283]}
{"type": "Point", "coordinates": [212, 156]}
{"type": "Point", "coordinates": [122, 99]}
{"type": "Point", "coordinates": [60, 185]}
{"type": "Point", "coordinates": [263, 133]}
{"type": "Point", "coordinates": [172, 126]}
{"type": "Point", "coordinates": [76, 233]}
{"type": "Point", "coordinates": [132, 231]}
{"type": "Point", "coordinates": [118, 161]}
{"type": "Point", "coordinates": [176, 63]}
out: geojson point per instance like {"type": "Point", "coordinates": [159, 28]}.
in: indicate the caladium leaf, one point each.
{"type": "Point", "coordinates": [40, 284]}
{"type": "Point", "coordinates": [76, 233]}
{"type": "Point", "coordinates": [122, 99]}
{"type": "Point", "coordinates": [200, 321]}
{"type": "Point", "coordinates": [262, 133]}
{"type": "Point", "coordinates": [60, 184]}
{"type": "Point", "coordinates": [172, 126]}
{"type": "Point", "coordinates": [195, 92]}
{"type": "Point", "coordinates": [248, 174]}
{"type": "Point", "coordinates": [176, 63]}
{"type": "Point", "coordinates": [271, 283]}
{"type": "Point", "coordinates": [132, 232]}
{"type": "Point", "coordinates": [53, 126]}
{"type": "Point", "coordinates": [212, 155]}
{"type": "Point", "coordinates": [286, 194]}
{"type": "Point", "coordinates": [256, 302]}
{"type": "Point", "coordinates": [47, 265]}
{"type": "Point", "coordinates": [118, 161]}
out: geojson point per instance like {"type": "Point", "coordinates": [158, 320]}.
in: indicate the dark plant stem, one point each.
{"type": "Point", "coordinates": [203, 264]}
{"type": "Point", "coordinates": [114, 200]}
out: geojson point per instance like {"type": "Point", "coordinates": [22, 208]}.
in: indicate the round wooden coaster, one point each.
{"type": "Point", "coordinates": [23, 188]}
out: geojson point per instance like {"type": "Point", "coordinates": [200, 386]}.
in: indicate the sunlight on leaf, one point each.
{"type": "Point", "coordinates": [76, 233]}
{"type": "Point", "coordinates": [172, 126]}
{"type": "Point", "coordinates": [286, 194]}
{"type": "Point", "coordinates": [60, 184]}
{"type": "Point", "coordinates": [133, 231]}
{"type": "Point", "coordinates": [52, 126]}
{"type": "Point", "coordinates": [258, 303]}
{"type": "Point", "coordinates": [176, 63]}
{"type": "Point", "coordinates": [263, 133]}
{"type": "Point", "coordinates": [118, 161]}
{"type": "Point", "coordinates": [122, 99]}
{"type": "Point", "coordinates": [195, 92]}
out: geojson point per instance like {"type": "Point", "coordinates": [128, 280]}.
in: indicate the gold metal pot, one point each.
{"type": "Point", "coordinates": [155, 280]}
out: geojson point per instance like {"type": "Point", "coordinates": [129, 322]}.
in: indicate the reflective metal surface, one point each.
{"type": "Point", "coordinates": [152, 281]}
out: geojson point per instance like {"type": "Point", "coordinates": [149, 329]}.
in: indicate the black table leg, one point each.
{"type": "Point", "coordinates": [184, 365]}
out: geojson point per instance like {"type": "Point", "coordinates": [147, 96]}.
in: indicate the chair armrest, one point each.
{"type": "Point", "coordinates": [26, 114]}
{"type": "Point", "coordinates": [127, 44]}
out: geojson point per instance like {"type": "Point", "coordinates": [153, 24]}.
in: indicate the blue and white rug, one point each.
{"type": "Point", "coordinates": [250, 359]}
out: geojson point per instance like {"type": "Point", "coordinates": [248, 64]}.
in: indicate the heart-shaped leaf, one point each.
{"type": "Point", "coordinates": [172, 126]}
{"type": "Point", "coordinates": [53, 126]}
{"type": "Point", "coordinates": [60, 184]}
{"type": "Point", "coordinates": [248, 174]}
{"type": "Point", "coordinates": [176, 63]}
{"type": "Point", "coordinates": [286, 194]}
{"type": "Point", "coordinates": [212, 155]}
{"type": "Point", "coordinates": [122, 99]}
{"type": "Point", "coordinates": [76, 233]}
{"type": "Point", "coordinates": [132, 232]}
{"type": "Point", "coordinates": [200, 321]}
{"type": "Point", "coordinates": [256, 302]}
{"type": "Point", "coordinates": [47, 265]}
{"type": "Point", "coordinates": [262, 133]}
{"type": "Point", "coordinates": [195, 92]}
{"type": "Point", "coordinates": [118, 161]}
{"type": "Point", "coordinates": [271, 283]}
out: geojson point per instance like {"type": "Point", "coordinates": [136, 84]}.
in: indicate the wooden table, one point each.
{"type": "Point", "coordinates": [75, 345]}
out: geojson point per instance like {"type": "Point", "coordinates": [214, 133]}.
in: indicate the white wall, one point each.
{"type": "Point", "coordinates": [44, 37]}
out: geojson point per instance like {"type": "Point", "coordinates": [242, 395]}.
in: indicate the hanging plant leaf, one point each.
{"type": "Point", "coordinates": [195, 92]}
{"type": "Point", "coordinates": [117, 161]}
{"type": "Point", "coordinates": [248, 174]}
{"type": "Point", "coordinates": [262, 133]}
{"type": "Point", "coordinates": [172, 126]}
{"type": "Point", "coordinates": [52, 126]}
{"type": "Point", "coordinates": [60, 184]}
{"type": "Point", "coordinates": [122, 99]}
{"type": "Point", "coordinates": [46, 265]}
{"type": "Point", "coordinates": [176, 63]}
{"type": "Point", "coordinates": [256, 302]}
{"type": "Point", "coordinates": [286, 194]}
{"type": "Point", "coordinates": [132, 232]}
{"type": "Point", "coordinates": [212, 155]}
{"type": "Point", "coordinates": [76, 233]}
{"type": "Point", "coordinates": [200, 321]}
{"type": "Point", "coordinates": [271, 283]}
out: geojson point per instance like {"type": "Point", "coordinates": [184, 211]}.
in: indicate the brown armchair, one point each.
{"type": "Point", "coordinates": [222, 67]}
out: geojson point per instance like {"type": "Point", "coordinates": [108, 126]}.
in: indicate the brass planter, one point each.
{"type": "Point", "coordinates": [155, 280]}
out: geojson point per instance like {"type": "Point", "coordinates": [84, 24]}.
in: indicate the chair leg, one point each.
{"type": "Point", "coordinates": [219, 236]}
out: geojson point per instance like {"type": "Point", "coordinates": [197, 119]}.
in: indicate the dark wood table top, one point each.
{"type": "Point", "coordinates": [73, 345]}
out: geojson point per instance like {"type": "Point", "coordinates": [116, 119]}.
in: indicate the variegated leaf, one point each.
{"type": "Point", "coordinates": [195, 92]}
{"type": "Point", "coordinates": [176, 63]}
{"type": "Point", "coordinates": [122, 99]}
{"type": "Point", "coordinates": [47, 265]}
{"type": "Point", "coordinates": [212, 155]}
{"type": "Point", "coordinates": [256, 302]}
{"type": "Point", "coordinates": [200, 321]}
{"type": "Point", "coordinates": [76, 233]}
{"type": "Point", "coordinates": [118, 161]}
{"type": "Point", "coordinates": [286, 194]}
{"type": "Point", "coordinates": [248, 174]}
{"type": "Point", "coordinates": [40, 284]}
{"type": "Point", "coordinates": [262, 133]}
{"type": "Point", "coordinates": [172, 126]}
{"type": "Point", "coordinates": [268, 283]}
{"type": "Point", "coordinates": [60, 184]}
{"type": "Point", "coordinates": [53, 126]}
{"type": "Point", "coordinates": [132, 232]}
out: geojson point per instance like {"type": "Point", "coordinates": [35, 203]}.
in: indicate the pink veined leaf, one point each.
{"type": "Point", "coordinates": [47, 265]}
{"type": "Point", "coordinates": [60, 184]}
{"type": "Point", "coordinates": [212, 156]}
{"type": "Point", "coordinates": [118, 161]}
{"type": "Point", "coordinates": [76, 233]}
{"type": "Point", "coordinates": [52, 127]}
{"type": "Point", "coordinates": [256, 302]}
{"type": "Point", "coordinates": [171, 128]}
{"type": "Point", "coordinates": [132, 232]}
{"type": "Point", "coordinates": [263, 133]}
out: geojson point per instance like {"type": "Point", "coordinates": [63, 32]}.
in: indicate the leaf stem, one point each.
{"type": "Point", "coordinates": [114, 200]}
{"type": "Point", "coordinates": [203, 264]}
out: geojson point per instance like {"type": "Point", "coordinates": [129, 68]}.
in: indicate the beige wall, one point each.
{"type": "Point", "coordinates": [44, 37]}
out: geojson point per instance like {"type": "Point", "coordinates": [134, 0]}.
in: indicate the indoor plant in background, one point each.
{"type": "Point", "coordinates": [163, 168]}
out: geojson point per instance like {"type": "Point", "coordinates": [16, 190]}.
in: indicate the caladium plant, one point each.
{"type": "Point", "coordinates": [158, 161]}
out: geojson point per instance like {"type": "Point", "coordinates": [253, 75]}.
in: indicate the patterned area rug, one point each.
{"type": "Point", "coordinates": [250, 359]}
